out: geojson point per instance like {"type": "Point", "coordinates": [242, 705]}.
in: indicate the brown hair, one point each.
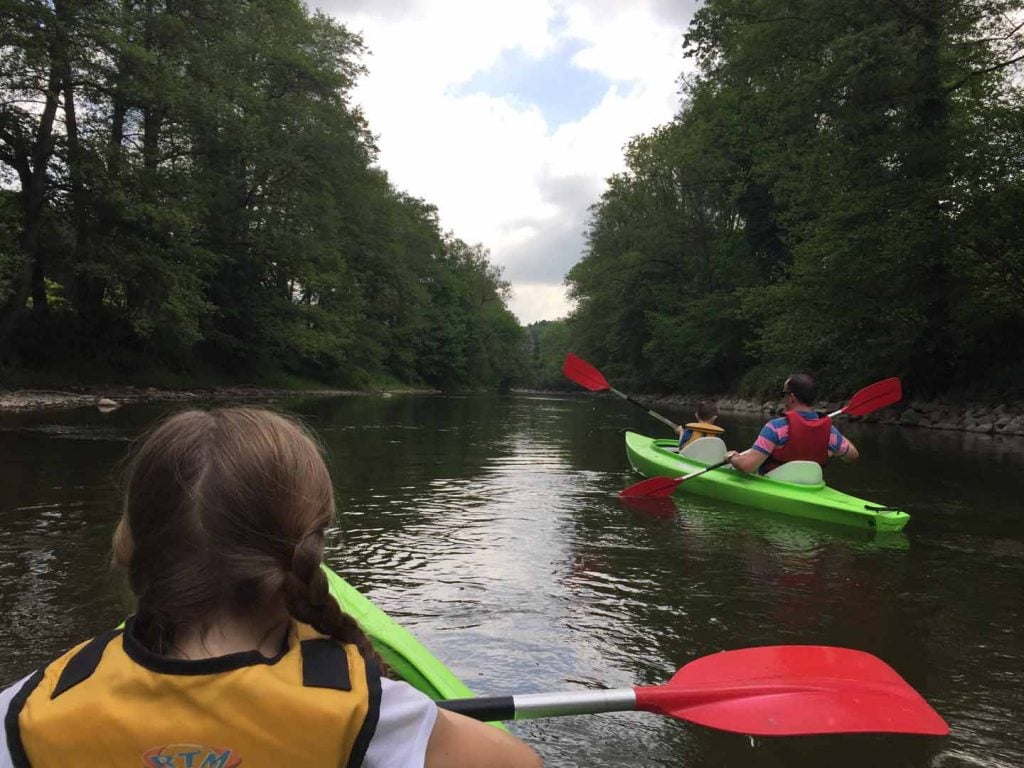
{"type": "Point", "coordinates": [706, 410]}
{"type": "Point", "coordinates": [222, 511]}
{"type": "Point", "coordinates": [802, 387]}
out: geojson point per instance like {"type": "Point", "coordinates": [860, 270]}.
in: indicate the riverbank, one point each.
{"type": "Point", "coordinates": [1001, 419]}
{"type": "Point", "coordinates": [108, 398]}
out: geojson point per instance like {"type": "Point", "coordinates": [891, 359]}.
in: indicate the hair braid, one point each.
{"type": "Point", "coordinates": [223, 511]}
{"type": "Point", "coordinates": [309, 600]}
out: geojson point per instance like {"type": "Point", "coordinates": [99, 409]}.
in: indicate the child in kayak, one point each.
{"type": "Point", "coordinates": [706, 415]}
{"type": "Point", "coordinates": [237, 655]}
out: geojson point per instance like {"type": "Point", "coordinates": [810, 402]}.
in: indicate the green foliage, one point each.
{"type": "Point", "coordinates": [547, 344]}
{"type": "Point", "coordinates": [839, 193]}
{"type": "Point", "coordinates": [197, 195]}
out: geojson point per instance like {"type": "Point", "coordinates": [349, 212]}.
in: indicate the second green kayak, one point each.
{"type": "Point", "coordinates": [658, 458]}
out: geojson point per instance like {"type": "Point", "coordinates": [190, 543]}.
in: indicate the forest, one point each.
{"type": "Point", "coordinates": [840, 192]}
{"type": "Point", "coordinates": [188, 193]}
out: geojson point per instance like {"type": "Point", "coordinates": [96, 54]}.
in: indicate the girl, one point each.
{"type": "Point", "coordinates": [237, 655]}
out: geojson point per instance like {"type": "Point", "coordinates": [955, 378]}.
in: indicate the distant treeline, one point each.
{"type": "Point", "coordinates": [186, 190]}
{"type": "Point", "coordinates": [841, 192]}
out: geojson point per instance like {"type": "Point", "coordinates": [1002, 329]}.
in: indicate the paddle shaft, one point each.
{"type": "Point", "coordinates": [716, 465]}
{"type": "Point", "coordinates": [535, 705]}
{"type": "Point", "coordinates": [532, 706]}
{"type": "Point", "coordinates": [658, 416]}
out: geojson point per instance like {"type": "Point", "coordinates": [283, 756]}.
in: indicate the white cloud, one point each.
{"type": "Point", "coordinates": [539, 301]}
{"type": "Point", "coordinates": [497, 171]}
{"type": "Point", "coordinates": [625, 41]}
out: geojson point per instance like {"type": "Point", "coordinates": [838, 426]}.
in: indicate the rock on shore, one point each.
{"type": "Point", "coordinates": [108, 399]}
{"type": "Point", "coordinates": [1003, 419]}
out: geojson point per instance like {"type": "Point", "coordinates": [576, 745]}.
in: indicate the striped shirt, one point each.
{"type": "Point", "coordinates": [775, 434]}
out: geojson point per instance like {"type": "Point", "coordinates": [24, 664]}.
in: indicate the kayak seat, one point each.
{"type": "Point", "coordinates": [706, 450]}
{"type": "Point", "coordinates": [801, 472]}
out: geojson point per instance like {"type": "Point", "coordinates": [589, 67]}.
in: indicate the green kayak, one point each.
{"type": "Point", "coordinates": [402, 652]}
{"type": "Point", "coordinates": [658, 458]}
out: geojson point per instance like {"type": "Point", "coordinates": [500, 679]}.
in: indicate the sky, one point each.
{"type": "Point", "coordinates": [508, 115]}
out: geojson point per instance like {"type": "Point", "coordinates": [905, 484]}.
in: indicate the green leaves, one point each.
{"type": "Point", "coordinates": [208, 201]}
{"type": "Point", "coordinates": [836, 194]}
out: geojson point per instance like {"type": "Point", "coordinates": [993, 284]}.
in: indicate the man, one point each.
{"type": "Point", "coordinates": [801, 435]}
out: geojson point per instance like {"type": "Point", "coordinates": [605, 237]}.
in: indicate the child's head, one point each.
{"type": "Point", "coordinates": [707, 411]}
{"type": "Point", "coordinates": [224, 513]}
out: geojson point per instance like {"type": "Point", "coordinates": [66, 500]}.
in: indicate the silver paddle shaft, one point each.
{"type": "Point", "coordinates": [533, 705]}
{"type": "Point", "coordinates": [658, 416]}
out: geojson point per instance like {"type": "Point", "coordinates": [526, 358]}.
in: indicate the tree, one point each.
{"type": "Point", "coordinates": [834, 195]}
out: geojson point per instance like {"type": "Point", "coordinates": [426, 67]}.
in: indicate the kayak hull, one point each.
{"type": "Point", "coordinates": [406, 656]}
{"type": "Point", "coordinates": [657, 458]}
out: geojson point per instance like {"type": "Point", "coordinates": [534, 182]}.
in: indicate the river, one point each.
{"type": "Point", "coordinates": [490, 527]}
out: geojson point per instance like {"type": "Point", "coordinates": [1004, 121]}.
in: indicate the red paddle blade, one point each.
{"type": "Point", "coordinates": [793, 690]}
{"type": "Point", "coordinates": [652, 488]}
{"type": "Point", "coordinates": [874, 396]}
{"type": "Point", "coordinates": [584, 374]}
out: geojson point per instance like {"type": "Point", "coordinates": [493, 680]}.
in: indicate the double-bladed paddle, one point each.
{"type": "Point", "coordinates": [587, 376]}
{"type": "Point", "coordinates": [780, 690]}
{"type": "Point", "coordinates": [867, 400]}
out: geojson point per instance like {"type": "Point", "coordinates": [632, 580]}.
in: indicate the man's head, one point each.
{"type": "Point", "coordinates": [800, 387]}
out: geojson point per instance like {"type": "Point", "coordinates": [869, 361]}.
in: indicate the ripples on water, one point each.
{"type": "Point", "coordinates": [491, 528]}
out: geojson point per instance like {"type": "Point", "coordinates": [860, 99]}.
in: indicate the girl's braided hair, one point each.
{"type": "Point", "coordinates": [225, 511]}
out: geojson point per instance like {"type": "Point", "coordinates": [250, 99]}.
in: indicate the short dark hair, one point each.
{"type": "Point", "coordinates": [706, 410]}
{"type": "Point", "coordinates": [802, 387]}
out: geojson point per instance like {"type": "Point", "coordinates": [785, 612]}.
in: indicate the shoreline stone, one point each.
{"type": "Point", "coordinates": [110, 398]}
{"type": "Point", "coordinates": [999, 419]}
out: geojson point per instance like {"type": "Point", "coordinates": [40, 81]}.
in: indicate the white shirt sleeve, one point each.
{"type": "Point", "coordinates": [406, 721]}
{"type": "Point", "coordinates": [5, 703]}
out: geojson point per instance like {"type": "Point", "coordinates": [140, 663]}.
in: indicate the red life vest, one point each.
{"type": "Point", "coordinates": [808, 441]}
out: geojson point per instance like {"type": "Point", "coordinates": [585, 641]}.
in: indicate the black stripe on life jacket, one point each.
{"type": "Point", "coordinates": [83, 663]}
{"type": "Point", "coordinates": [325, 665]}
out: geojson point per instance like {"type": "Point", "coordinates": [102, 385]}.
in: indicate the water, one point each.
{"type": "Point", "coordinates": [490, 527]}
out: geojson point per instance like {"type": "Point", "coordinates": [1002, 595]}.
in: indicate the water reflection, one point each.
{"type": "Point", "coordinates": [491, 527]}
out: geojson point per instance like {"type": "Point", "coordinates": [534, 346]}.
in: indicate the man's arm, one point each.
{"type": "Point", "coordinates": [851, 453]}
{"type": "Point", "coordinates": [756, 455]}
{"type": "Point", "coordinates": [748, 461]}
{"type": "Point", "coordinates": [841, 447]}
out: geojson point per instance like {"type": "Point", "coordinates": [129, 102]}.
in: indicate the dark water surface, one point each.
{"type": "Point", "coordinates": [490, 527]}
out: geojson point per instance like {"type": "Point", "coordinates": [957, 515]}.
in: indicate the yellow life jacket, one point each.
{"type": "Point", "coordinates": [703, 429]}
{"type": "Point", "coordinates": [110, 701]}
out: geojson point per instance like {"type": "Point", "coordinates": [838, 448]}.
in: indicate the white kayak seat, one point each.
{"type": "Point", "coordinates": [801, 472]}
{"type": "Point", "coordinates": [706, 450]}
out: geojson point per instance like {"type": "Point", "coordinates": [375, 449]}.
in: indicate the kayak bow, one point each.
{"type": "Point", "coordinates": [407, 657]}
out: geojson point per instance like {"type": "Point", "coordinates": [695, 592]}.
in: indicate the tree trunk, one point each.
{"type": "Point", "coordinates": [927, 169]}
{"type": "Point", "coordinates": [34, 165]}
